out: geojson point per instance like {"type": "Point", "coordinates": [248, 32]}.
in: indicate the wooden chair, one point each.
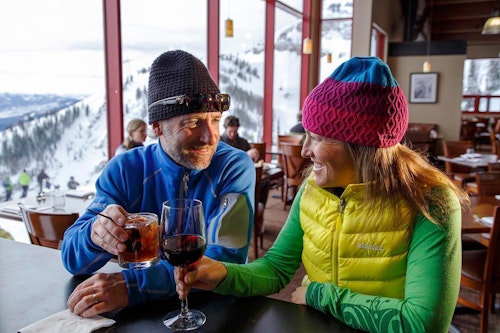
{"type": "Point", "coordinates": [458, 173]}
{"type": "Point", "coordinates": [258, 219]}
{"type": "Point", "coordinates": [481, 272]}
{"type": "Point", "coordinates": [294, 139]}
{"type": "Point", "coordinates": [261, 147]}
{"type": "Point", "coordinates": [471, 187]}
{"type": "Point", "coordinates": [46, 229]}
{"type": "Point", "coordinates": [488, 183]}
{"type": "Point", "coordinates": [295, 165]}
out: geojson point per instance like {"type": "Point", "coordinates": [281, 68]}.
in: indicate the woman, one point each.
{"type": "Point", "coordinates": [137, 133]}
{"type": "Point", "coordinates": [375, 225]}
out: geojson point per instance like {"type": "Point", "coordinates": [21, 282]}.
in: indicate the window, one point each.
{"type": "Point", "coordinates": [241, 64]}
{"type": "Point", "coordinates": [336, 32]}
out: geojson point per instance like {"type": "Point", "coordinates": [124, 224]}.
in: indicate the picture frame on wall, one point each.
{"type": "Point", "coordinates": [423, 87]}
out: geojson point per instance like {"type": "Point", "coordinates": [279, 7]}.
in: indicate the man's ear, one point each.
{"type": "Point", "coordinates": [156, 129]}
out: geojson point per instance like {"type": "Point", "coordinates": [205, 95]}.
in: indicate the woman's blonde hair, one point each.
{"type": "Point", "coordinates": [133, 125]}
{"type": "Point", "coordinates": [400, 171]}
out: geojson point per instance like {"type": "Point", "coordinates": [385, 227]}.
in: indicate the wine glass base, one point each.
{"type": "Point", "coordinates": [190, 321]}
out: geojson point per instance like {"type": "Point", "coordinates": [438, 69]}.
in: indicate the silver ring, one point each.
{"type": "Point", "coordinates": [95, 299]}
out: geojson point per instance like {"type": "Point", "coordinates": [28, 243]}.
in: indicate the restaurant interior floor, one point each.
{"type": "Point", "coordinates": [464, 320]}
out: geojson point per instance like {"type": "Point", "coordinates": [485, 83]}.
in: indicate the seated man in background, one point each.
{"type": "Point", "coordinates": [188, 161]}
{"type": "Point", "coordinates": [231, 137]}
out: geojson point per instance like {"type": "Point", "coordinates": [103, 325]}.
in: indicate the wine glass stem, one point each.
{"type": "Point", "coordinates": [184, 307]}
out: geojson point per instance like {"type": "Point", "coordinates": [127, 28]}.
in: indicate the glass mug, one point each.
{"type": "Point", "coordinates": [142, 244]}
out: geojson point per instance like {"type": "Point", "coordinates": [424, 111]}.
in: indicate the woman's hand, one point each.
{"type": "Point", "coordinates": [299, 296]}
{"type": "Point", "coordinates": [99, 293]}
{"type": "Point", "coordinates": [109, 233]}
{"type": "Point", "coordinates": [205, 274]}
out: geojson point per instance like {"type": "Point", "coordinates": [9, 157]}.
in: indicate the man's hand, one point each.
{"type": "Point", "coordinates": [99, 293]}
{"type": "Point", "coordinates": [108, 233]}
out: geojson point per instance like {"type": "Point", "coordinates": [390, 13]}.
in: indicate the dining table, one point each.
{"type": "Point", "coordinates": [473, 161]}
{"type": "Point", "coordinates": [481, 206]}
{"type": "Point", "coordinates": [35, 285]}
{"type": "Point", "coordinates": [75, 201]}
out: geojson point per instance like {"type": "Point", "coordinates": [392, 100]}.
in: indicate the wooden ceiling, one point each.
{"type": "Point", "coordinates": [460, 19]}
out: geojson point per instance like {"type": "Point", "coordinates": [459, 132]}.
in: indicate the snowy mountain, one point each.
{"type": "Point", "coordinates": [14, 107]}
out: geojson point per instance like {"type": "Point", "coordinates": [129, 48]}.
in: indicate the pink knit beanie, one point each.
{"type": "Point", "coordinates": [360, 103]}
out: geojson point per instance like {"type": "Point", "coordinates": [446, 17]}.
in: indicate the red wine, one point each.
{"type": "Point", "coordinates": [182, 250]}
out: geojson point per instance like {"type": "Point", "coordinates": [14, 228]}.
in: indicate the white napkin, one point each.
{"type": "Point", "coordinates": [487, 220]}
{"type": "Point", "coordinates": [67, 321]}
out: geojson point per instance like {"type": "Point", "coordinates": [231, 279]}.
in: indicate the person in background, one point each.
{"type": "Point", "coordinates": [231, 137]}
{"type": "Point", "coordinates": [24, 180]}
{"type": "Point", "coordinates": [72, 183]}
{"type": "Point", "coordinates": [137, 134]}
{"type": "Point", "coordinates": [8, 187]}
{"type": "Point", "coordinates": [298, 128]}
{"type": "Point", "coordinates": [188, 161]}
{"type": "Point", "coordinates": [42, 176]}
{"type": "Point", "coordinates": [375, 225]}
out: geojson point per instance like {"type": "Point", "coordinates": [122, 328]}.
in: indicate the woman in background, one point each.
{"type": "Point", "coordinates": [137, 133]}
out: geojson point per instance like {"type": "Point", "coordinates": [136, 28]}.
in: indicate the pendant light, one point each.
{"type": "Point", "coordinates": [229, 27]}
{"type": "Point", "coordinates": [307, 46]}
{"type": "Point", "coordinates": [492, 25]}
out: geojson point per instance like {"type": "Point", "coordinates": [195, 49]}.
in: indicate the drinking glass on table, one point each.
{"type": "Point", "coordinates": [183, 242]}
{"type": "Point", "coordinates": [142, 244]}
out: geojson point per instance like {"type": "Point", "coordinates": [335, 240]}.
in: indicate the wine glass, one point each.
{"type": "Point", "coordinates": [183, 242]}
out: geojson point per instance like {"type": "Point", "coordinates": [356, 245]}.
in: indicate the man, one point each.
{"type": "Point", "coordinates": [185, 108]}
{"type": "Point", "coordinates": [43, 177]}
{"type": "Point", "coordinates": [72, 183]}
{"type": "Point", "coordinates": [231, 137]}
{"type": "Point", "coordinates": [8, 187]}
{"type": "Point", "coordinates": [24, 181]}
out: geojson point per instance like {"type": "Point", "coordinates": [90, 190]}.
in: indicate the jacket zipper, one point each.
{"type": "Point", "coordinates": [336, 241]}
{"type": "Point", "coordinates": [183, 189]}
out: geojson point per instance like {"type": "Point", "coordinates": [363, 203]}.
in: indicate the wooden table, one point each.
{"type": "Point", "coordinates": [74, 203]}
{"type": "Point", "coordinates": [480, 207]}
{"type": "Point", "coordinates": [36, 285]}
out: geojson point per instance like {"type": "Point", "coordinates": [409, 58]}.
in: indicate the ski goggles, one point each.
{"type": "Point", "coordinates": [198, 102]}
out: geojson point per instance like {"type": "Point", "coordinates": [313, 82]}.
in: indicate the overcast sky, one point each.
{"type": "Point", "coordinates": [56, 46]}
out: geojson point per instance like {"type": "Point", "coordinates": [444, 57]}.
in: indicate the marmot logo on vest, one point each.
{"type": "Point", "coordinates": [370, 247]}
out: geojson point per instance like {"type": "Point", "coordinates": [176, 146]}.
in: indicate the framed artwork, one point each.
{"type": "Point", "coordinates": [423, 87]}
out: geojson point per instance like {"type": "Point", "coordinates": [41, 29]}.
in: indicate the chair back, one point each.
{"type": "Point", "coordinates": [495, 166]}
{"type": "Point", "coordinates": [293, 169]}
{"type": "Point", "coordinates": [46, 229]}
{"type": "Point", "coordinates": [294, 139]}
{"type": "Point", "coordinates": [488, 183]}
{"type": "Point", "coordinates": [261, 147]}
{"type": "Point", "coordinates": [481, 273]}
{"type": "Point", "coordinates": [492, 267]}
{"type": "Point", "coordinates": [258, 218]}
{"type": "Point", "coordinates": [495, 147]}
{"type": "Point", "coordinates": [468, 130]}
{"type": "Point", "coordinates": [455, 149]}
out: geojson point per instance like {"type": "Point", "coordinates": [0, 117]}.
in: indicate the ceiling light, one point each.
{"type": "Point", "coordinates": [307, 46]}
{"type": "Point", "coordinates": [229, 28]}
{"type": "Point", "coordinates": [492, 25]}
